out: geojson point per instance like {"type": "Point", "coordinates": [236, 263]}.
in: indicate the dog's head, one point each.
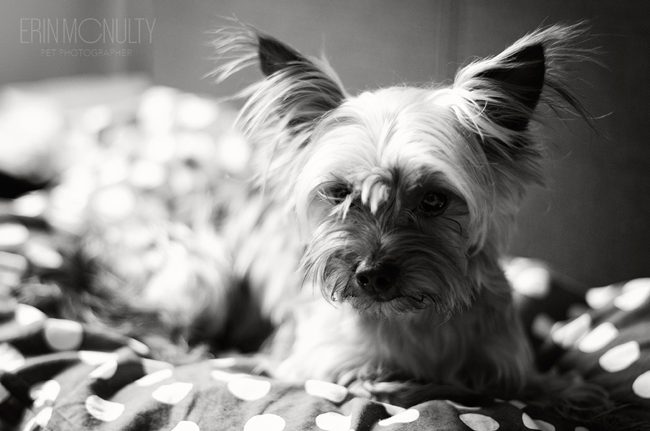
{"type": "Point", "coordinates": [406, 194]}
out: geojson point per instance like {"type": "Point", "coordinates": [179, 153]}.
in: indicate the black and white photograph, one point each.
{"type": "Point", "coordinates": [362, 215]}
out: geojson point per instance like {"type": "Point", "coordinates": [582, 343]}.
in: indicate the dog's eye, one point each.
{"type": "Point", "coordinates": [434, 203]}
{"type": "Point", "coordinates": [338, 193]}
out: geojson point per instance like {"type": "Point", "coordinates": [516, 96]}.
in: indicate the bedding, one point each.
{"type": "Point", "coordinates": [63, 375]}
{"type": "Point", "coordinates": [58, 374]}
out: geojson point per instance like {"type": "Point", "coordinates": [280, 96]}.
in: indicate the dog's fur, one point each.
{"type": "Point", "coordinates": [352, 174]}
{"type": "Point", "coordinates": [371, 234]}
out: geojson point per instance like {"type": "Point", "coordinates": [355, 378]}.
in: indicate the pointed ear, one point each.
{"type": "Point", "coordinates": [507, 87]}
{"type": "Point", "coordinates": [275, 55]}
{"type": "Point", "coordinates": [495, 99]}
{"type": "Point", "coordinates": [520, 79]}
{"type": "Point", "coordinates": [297, 91]}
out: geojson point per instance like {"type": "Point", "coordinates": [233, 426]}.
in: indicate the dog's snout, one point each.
{"type": "Point", "coordinates": [376, 278]}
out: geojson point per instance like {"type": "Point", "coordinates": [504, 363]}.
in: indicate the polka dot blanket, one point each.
{"type": "Point", "coordinates": [58, 374]}
{"type": "Point", "coordinates": [62, 375]}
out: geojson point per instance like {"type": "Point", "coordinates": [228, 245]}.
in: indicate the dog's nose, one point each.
{"type": "Point", "coordinates": [376, 278]}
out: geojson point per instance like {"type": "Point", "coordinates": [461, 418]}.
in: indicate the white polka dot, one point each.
{"type": "Point", "coordinates": [12, 234]}
{"type": "Point", "coordinates": [186, 426]}
{"type": "Point", "coordinates": [114, 203]}
{"type": "Point", "coordinates": [10, 358]}
{"type": "Point", "coordinates": [138, 347]}
{"type": "Point", "coordinates": [172, 393]}
{"type": "Point", "coordinates": [13, 262]}
{"type": "Point", "coordinates": [544, 426]}
{"type": "Point", "coordinates": [195, 113]}
{"type": "Point", "coordinates": [478, 422]}
{"type": "Point", "coordinates": [265, 422]}
{"type": "Point", "coordinates": [620, 357]}
{"type": "Point", "coordinates": [533, 282]}
{"type": "Point", "coordinates": [393, 410]}
{"type": "Point", "coordinates": [4, 394]}
{"type": "Point", "coordinates": [567, 335]}
{"type": "Point", "coordinates": [599, 297]}
{"type": "Point", "coordinates": [517, 404]}
{"type": "Point", "coordinates": [536, 424]}
{"type": "Point", "coordinates": [90, 357]}
{"type": "Point", "coordinates": [458, 406]}
{"type": "Point", "coordinates": [30, 205]}
{"type": "Point", "coordinates": [641, 385]}
{"type": "Point", "coordinates": [224, 376]}
{"type": "Point", "coordinates": [249, 389]}
{"type": "Point", "coordinates": [105, 371]}
{"type": "Point", "coordinates": [43, 256]}
{"type": "Point", "coordinates": [329, 391]}
{"type": "Point", "coordinates": [45, 393]}
{"type": "Point", "coordinates": [223, 362]}
{"type": "Point", "coordinates": [43, 417]}
{"type": "Point", "coordinates": [333, 421]}
{"type": "Point", "coordinates": [182, 181]}
{"type": "Point", "coordinates": [636, 283]}
{"type": "Point", "coordinates": [63, 334]}
{"type": "Point", "coordinates": [30, 425]}
{"type": "Point", "coordinates": [26, 315]}
{"type": "Point", "coordinates": [112, 171]}
{"type": "Point", "coordinates": [106, 411]}
{"type": "Point", "coordinates": [542, 325]}
{"type": "Point", "coordinates": [405, 417]}
{"type": "Point", "coordinates": [146, 174]}
{"type": "Point", "coordinates": [71, 197]}
{"type": "Point", "coordinates": [633, 297]}
{"type": "Point", "coordinates": [8, 279]}
{"type": "Point", "coordinates": [598, 338]}
{"type": "Point", "coordinates": [153, 378]}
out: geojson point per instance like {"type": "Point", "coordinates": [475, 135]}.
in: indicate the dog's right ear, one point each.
{"type": "Point", "coordinates": [283, 109]}
{"type": "Point", "coordinates": [297, 91]}
{"type": "Point", "coordinates": [275, 55]}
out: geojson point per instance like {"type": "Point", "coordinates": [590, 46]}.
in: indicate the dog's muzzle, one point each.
{"type": "Point", "coordinates": [376, 279]}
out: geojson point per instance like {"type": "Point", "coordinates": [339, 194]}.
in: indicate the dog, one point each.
{"type": "Point", "coordinates": [403, 199]}
{"type": "Point", "coordinates": [365, 247]}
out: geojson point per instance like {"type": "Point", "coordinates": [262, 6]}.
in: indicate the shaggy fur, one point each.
{"type": "Point", "coordinates": [353, 173]}
{"type": "Point", "coordinates": [370, 236]}
{"type": "Point", "coordinates": [404, 198]}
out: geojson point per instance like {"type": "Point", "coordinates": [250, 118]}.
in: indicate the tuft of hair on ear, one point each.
{"type": "Point", "coordinates": [499, 95]}
{"type": "Point", "coordinates": [282, 109]}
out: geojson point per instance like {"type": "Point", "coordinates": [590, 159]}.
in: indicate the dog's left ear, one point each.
{"type": "Point", "coordinates": [520, 77]}
{"type": "Point", "coordinates": [496, 98]}
{"type": "Point", "coordinates": [507, 88]}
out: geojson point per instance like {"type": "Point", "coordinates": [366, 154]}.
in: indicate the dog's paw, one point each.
{"type": "Point", "coordinates": [365, 382]}
{"type": "Point", "coordinates": [384, 392]}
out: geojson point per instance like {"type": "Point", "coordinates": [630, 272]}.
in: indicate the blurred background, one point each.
{"type": "Point", "coordinates": [147, 60]}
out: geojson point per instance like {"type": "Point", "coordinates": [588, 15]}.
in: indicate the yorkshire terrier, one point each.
{"type": "Point", "coordinates": [396, 204]}
{"type": "Point", "coordinates": [371, 234]}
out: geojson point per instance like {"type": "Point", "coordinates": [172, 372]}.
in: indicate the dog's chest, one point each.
{"type": "Point", "coordinates": [330, 341]}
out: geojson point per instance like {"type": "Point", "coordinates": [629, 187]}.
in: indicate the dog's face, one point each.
{"type": "Point", "coordinates": [404, 193]}
{"type": "Point", "coordinates": [387, 196]}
